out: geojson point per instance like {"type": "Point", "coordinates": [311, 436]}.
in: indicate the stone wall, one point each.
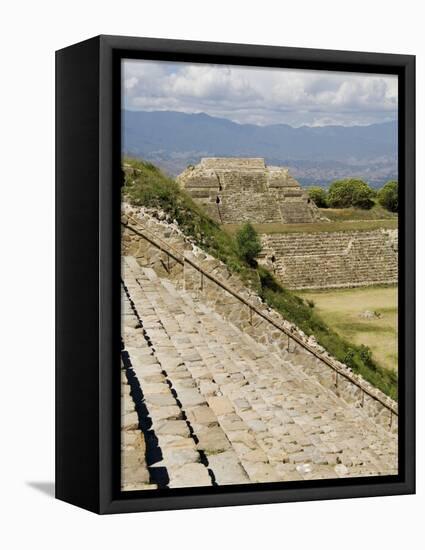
{"type": "Point", "coordinates": [247, 190]}
{"type": "Point", "coordinates": [333, 259]}
{"type": "Point", "coordinates": [233, 310]}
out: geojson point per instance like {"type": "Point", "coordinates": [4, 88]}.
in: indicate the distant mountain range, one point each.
{"type": "Point", "coordinates": [315, 155]}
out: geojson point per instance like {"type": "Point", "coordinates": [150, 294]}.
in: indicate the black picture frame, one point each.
{"type": "Point", "coordinates": [88, 177]}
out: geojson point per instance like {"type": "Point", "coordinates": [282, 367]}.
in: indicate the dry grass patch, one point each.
{"type": "Point", "coordinates": [356, 214]}
{"type": "Point", "coordinates": [341, 309]}
{"type": "Point", "coordinates": [319, 227]}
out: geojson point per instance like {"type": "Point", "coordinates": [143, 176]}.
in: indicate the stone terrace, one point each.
{"type": "Point", "coordinates": [333, 259]}
{"type": "Point", "coordinates": [212, 406]}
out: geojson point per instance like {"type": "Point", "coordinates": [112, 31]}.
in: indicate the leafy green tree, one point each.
{"type": "Point", "coordinates": [388, 196]}
{"type": "Point", "coordinates": [248, 243]}
{"type": "Point", "coordinates": [348, 193]}
{"type": "Point", "coordinates": [318, 196]}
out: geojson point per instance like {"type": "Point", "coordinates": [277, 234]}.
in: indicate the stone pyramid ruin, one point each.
{"type": "Point", "coordinates": [235, 190]}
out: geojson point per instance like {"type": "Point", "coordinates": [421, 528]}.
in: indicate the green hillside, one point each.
{"type": "Point", "coordinates": [146, 185]}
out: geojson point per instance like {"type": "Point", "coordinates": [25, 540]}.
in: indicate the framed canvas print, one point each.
{"type": "Point", "coordinates": [235, 274]}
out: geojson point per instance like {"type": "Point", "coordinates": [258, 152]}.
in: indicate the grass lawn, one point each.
{"type": "Point", "coordinates": [341, 310]}
{"type": "Point", "coordinates": [348, 225]}
{"type": "Point", "coordinates": [351, 214]}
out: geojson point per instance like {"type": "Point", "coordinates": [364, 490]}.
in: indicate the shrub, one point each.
{"type": "Point", "coordinates": [248, 244]}
{"type": "Point", "coordinates": [388, 196]}
{"type": "Point", "coordinates": [318, 196]}
{"type": "Point", "coordinates": [366, 355]}
{"type": "Point", "coordinates": [350, 193]}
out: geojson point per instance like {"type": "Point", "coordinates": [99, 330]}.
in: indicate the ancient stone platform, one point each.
{"type": "Point", "coordinates": [333, 259]}
{"type": "Point", "coordinates": [234, 190]}
{"type": "Point", "coordinates": [205, 404]}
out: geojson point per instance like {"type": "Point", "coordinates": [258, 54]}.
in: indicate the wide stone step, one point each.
{"type": "Point", "coordinates": [188, 432]}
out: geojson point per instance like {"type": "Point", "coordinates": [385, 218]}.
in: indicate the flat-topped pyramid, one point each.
{"type": "Point", "coordinates": [237, 189]}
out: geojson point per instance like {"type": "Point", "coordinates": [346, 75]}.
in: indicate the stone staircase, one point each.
{"type": "Point", "coordinates": [214, 407]}
{"type": "Point", "coordinates": [334, 259]}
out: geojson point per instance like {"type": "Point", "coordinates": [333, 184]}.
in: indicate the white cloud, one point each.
{"type": "Point", "coordinates": [260, 95]}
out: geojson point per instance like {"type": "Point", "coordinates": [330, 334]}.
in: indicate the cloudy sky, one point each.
{"type": "Point", "coordinates": [260, 95]}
